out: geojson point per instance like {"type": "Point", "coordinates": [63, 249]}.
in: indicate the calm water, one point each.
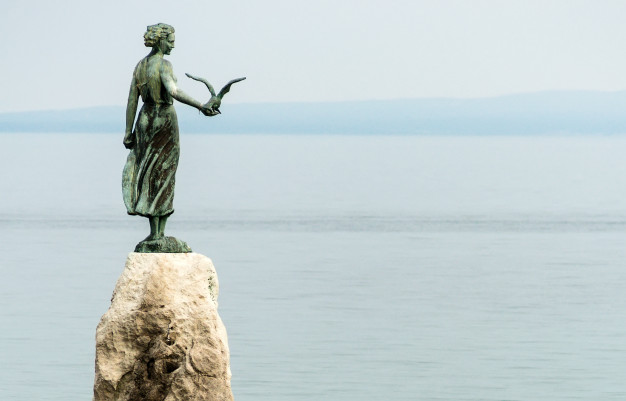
{"type": "Point", "coordinates": [351, 268]}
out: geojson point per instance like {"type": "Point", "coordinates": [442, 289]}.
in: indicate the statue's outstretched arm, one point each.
{"type": "Point", "coordinates": [131, 110]}
{"type": "Point", "coordinates": [172, 89]}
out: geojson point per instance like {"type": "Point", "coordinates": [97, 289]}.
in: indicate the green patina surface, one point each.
{"type": "Point", "coordinates": [149, 175]}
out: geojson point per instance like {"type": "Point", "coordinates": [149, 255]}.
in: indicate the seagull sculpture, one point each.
{"type": "Point", "coordinates": [216, 100]}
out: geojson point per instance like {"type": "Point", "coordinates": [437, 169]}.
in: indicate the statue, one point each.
{"type": "Point", "coordinates": [216, 100]}
{"type": "Point", "coordinates": [149, 174]}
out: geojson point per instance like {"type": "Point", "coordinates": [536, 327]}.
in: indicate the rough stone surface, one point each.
{"type": "Point", "coordinates": [162, 338]}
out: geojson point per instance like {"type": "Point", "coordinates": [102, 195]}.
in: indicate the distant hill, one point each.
{"type": "Point", "coordinates": [576, 112]}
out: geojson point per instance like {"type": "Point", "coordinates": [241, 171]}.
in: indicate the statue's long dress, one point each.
{"type": "Point", "coordinates": [149, 174]}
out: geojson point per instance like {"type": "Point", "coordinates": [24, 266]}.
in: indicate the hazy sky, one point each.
{"type": "Point", "coordinates": [69, 54]}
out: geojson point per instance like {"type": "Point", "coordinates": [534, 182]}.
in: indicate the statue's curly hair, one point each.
{"type": "Point", "coordinates": [155, 33]}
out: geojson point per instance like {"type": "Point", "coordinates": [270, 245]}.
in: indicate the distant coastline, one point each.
{"type": "Point", "coordinates": [542, 113]}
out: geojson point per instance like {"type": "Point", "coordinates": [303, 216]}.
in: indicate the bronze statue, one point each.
{"type": "Point", "coordinates": [149, 174]}
{"type": "Point", "coordinates": [216, 100]}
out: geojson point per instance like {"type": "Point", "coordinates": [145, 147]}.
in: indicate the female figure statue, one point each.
{"type": "Point", "coordinates": [149, 174]}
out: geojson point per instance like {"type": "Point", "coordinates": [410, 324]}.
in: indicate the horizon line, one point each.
{"type": "Point", "coordinates": [552, 91]}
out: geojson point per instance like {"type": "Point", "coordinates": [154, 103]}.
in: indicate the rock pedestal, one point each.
{"type": "Point", "coordinates": [162, 338]}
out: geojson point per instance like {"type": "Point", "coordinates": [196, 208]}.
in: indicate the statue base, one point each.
{"type": "Point", "coordinates": [162, 338]}
{"type": "Point", "coordinates": [163, 245]}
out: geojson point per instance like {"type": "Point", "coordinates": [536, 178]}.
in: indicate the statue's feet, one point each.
{"type": "Point", "coordinates": [153, 237]}
{"type": "Point", "coordinates": [162, 245]}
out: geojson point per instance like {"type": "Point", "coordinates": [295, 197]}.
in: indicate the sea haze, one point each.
{"type": "Point", "coordinates": [364, 267]}
{"type": "Point", "coordinates": [574, 112]}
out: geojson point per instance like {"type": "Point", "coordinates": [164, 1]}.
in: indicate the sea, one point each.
{"type": "Point", "coordinates": [351, 267]}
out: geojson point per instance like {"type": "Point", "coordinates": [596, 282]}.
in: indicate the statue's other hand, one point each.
{"type": "Point", "coordinates": [129, 141]}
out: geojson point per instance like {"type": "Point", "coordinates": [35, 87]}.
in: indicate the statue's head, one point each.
{"type": "Point", "coordinates": [160, 36]}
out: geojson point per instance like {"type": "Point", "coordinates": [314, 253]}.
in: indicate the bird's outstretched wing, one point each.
{"type": "Point", "coordinates": [208, 85]}
{"type": "Point", "coordinates": [226, 87]}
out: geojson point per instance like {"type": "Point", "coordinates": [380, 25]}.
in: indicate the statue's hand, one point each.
{"type": "Point", "coordinates": [129, 141]}
{"type": "Point", "coordinates": [208, 111]}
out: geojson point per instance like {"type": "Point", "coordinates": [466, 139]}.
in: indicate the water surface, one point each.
{"type": "Point", "coordinates": [351, 267]}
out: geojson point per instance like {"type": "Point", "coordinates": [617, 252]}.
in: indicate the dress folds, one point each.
{"type": "Point", "coordinates": [150, 170]}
